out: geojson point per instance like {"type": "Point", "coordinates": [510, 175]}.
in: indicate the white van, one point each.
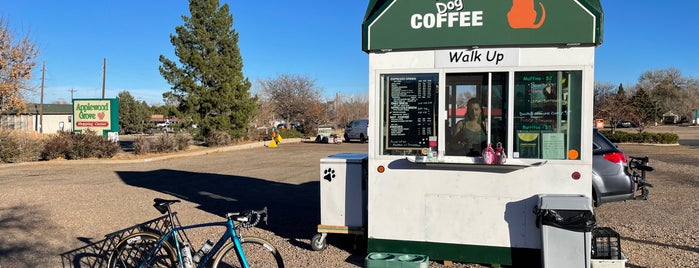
{"type": "Point", "coordinates": [357, 129]}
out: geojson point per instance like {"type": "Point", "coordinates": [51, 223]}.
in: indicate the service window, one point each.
{"type": "Point", "coordinates": [476, 106]}
{"type": "Point", "coordinates": [545, 125]}
{"type": "Point", "coordinates": [547, 115]}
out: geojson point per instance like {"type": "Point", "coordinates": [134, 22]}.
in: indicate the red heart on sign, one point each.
{"type": "Point", "coordinates": [100, 115]}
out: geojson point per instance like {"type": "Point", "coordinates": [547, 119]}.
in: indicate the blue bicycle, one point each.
{"type": "Point", "coordinates": [147, 249]}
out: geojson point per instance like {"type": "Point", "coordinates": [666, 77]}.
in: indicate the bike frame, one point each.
{"type": "Point", "coordinates": [229, 233]}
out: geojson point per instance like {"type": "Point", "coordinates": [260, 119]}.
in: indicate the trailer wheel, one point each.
{"type": "Point", "coordinates": [319, 243]}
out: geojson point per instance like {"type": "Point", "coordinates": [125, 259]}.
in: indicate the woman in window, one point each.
{"type": "Point", "coordinates": [469, 133]}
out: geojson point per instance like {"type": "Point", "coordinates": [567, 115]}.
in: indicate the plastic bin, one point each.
{"type": "Point", "coordinates": [566, 223]}
{"type": "Point", "coordinates": [605, 244]}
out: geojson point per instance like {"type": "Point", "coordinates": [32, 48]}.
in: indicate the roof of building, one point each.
{"type": "Point", "coordinates": [34, 108]}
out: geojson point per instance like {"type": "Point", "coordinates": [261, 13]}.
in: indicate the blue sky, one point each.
{"type": "Point", "coordinates": [317, 39]}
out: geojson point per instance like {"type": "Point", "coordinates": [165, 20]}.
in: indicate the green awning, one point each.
{"type": "Point", "coordinates": [417, 25]}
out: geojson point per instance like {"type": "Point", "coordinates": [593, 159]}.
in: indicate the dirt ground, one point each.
{"type": "Point", "coordinates": [51, 212]}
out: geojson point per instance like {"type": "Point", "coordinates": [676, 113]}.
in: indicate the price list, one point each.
{"type": "Point", "coordinates": [411, 106]}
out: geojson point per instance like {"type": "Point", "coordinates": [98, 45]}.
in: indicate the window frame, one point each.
{"type": "Point", "coordinates": [441, 114]}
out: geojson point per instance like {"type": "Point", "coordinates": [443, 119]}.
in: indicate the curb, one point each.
{"type": "Point", "coordinates": [260, 144]}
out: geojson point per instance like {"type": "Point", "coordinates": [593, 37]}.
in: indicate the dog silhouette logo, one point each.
{"type": "Point", "coordinates": [522, 15]}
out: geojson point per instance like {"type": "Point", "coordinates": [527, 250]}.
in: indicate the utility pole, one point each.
{"type": "Point", "coordinates": [41, 102]}
{"type": "Point", "coordinates": [71, 94]}
{"type": "Point", "coordinates": [104, 76]}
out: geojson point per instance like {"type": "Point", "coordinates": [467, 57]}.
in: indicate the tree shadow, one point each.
{"type": "Point", "coordinates": [294, 209]}
{"type": "Point", "coordinates": [23, 241]}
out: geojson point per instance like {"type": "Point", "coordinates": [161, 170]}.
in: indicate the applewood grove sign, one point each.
{"type": "Point", "coordinates": [430, 24]}
{"type": "Point", "coordinates": [99, 115]}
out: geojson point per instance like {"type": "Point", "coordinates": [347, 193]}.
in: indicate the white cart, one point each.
{"type": "Point", "coordinates": [343, 196]}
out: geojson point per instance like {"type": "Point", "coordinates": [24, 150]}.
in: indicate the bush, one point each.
{"type": "Point", "coordinates": [165, 144]}
{"type": "Point", "coordinates": [78, 146]}
{"type": "Point", "coordinates": [643, 137]}
{"type": "Point", "coordinates": [218, 138]}
{"type": "Point", "coordinates": [57, 146]}
{"type": "Point", "coordinates": [182, 141]}
{"type": "Point", "coordinates": [17, 146]}
{"type": "Point", "coordinates": [141, 145]}
{"type": "Point", "coordinates": [290, 133]}
{"type": "Point", "coordinates": [9, 147]}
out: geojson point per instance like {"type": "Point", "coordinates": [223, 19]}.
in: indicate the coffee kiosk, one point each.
{"type": "Point", "coordinates": [519, 71]}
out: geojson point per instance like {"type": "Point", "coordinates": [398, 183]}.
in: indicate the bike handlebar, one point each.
{"type": "Point", "coordinates": [249, 218]}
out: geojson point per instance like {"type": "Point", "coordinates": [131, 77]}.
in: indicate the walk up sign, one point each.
{"type": "Point", "coordinates": [477, 108]}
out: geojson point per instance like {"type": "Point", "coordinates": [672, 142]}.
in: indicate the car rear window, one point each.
{"type": "Point", "coordinates": [602, 145]}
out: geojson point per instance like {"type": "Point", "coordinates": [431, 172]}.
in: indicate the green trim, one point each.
{"type": "Point", "coordinates": [518, 257]}
{"type": "Point", "coordinates": [416, 25]}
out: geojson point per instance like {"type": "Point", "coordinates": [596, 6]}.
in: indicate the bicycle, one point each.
{"type": "Point", "coordinates": [147, 249]}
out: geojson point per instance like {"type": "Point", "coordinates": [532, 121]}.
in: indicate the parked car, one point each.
{"type": "Point", "coordinates": [357, 129]}
{"type": "Point", "coordinates": [611, 181]}
{"type": "Point", "coordinates": [625, 123]}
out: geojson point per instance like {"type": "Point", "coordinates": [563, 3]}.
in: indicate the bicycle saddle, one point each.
{"type": "Point", "coordinates": [163, 204]}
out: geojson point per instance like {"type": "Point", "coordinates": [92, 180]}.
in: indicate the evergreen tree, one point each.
{"type": "Point", "coordinates": [209, 87]}
{"type": "Point", "coordinates": [621, 93]}
{"type": "Point", "coordinates": [134, 116]}
{"type": "Point", "coordinates": [648, 109]}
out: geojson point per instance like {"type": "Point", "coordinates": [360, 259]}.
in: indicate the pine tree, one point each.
{"type": "Point", "coordinates": [648, 109]}
{"type": "Point", "coordinates": [134, 116]}
{"type": "Point", "coordinates": [209, 87]}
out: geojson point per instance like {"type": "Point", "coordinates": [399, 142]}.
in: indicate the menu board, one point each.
{"type": "Point", "coordinates": [411, 102]}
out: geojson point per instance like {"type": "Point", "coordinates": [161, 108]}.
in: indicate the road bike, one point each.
{"type": "Point", "coordinates": [171, 249]}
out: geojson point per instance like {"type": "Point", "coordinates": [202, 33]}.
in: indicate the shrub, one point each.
{"type": "Point", "coordinates": [643, 137]}
{"type": "Point", "coordinates": [141, 145]}
{"type": "Point", "coordinates": [182, 141]}
{"type": "Point", "coordinates": [290, 133]}
{"type": "Point", "coordinates": [217, 138]}
{"type": "Point", "coordinates": [78, 145]}
{"type": "Point", "coordinates": [164, 144]}
{"type": "Point", "coordinates": [18, 146]}
{"type": "Point", "coordinates": [57, 146]}
{"type": "Point", "coordinates": [8, 147]}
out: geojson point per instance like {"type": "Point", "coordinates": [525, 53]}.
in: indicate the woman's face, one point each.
{"type": "Point", "coordinates": [474, 111]}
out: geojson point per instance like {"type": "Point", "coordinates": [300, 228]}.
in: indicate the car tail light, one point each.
{"type": "Point", "coordinates": [616, 157]}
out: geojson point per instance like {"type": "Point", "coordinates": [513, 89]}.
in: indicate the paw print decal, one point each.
{"type": "Point", "coordinates": [329, 174]}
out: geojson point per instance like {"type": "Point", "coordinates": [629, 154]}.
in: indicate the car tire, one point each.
{"type": "Point", "coordinates": [362, 139]}
{"type": "Point", "coordinates": [595, 203]}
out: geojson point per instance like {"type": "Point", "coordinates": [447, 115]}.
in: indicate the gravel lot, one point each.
{"type": "Point", "coordinates": [48, 211]}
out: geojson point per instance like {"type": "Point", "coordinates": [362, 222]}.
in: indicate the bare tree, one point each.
{"type": "Point", "coordinates": [350, 108]}
{"type": "Point", "coordinates": [17, 59]}
{"type": "Point", "coordinates": [296, 99]}
{"type": "Point", "coordinates": [669, 88]}
{"type": "Point", "coordinates": [611, 105]}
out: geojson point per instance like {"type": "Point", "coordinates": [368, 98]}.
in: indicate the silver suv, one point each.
{"type": "Point", "coordinates": [613, 179]}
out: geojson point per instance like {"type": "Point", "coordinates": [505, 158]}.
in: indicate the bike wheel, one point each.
{"type": "Point", "coordinates": [133, 250]}
{"type": "Point", "coordinates": [258, 252]}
